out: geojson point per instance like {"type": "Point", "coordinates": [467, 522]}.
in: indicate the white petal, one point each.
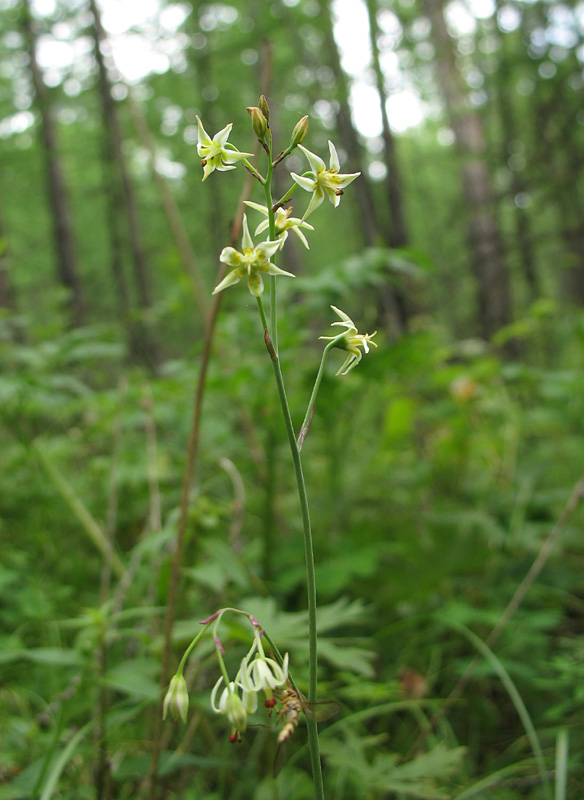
{"type": "Point", "coordinates": [335, 166]}
{"type": "Point", "coordinates": [315, 201]}
{"type": "Point", "coordinates": [316, 163]}
{"type": "Point", "coordinates": [344, 180]}
{"type": "Point", "coordinates": [255, 284]}
{"type": "Point", "coordinates": [346, 319]}
{"type": "Point", "coordinates": [230, 256]}
{"type": "Point", "coordinates": [204, 138]}
{"type": "Point", "coordinates": [308, 184]}
{"type": "Point", "coordinates": [246, 241]}
{"type": "Point", "coordinates": [300, 235]}
{"type": "Point", "coordinates": [233, 277]}
{"type": "Point", "coordinates": [262, 227]}
{"type": "Point", "coordinates": [268, 248]}
{"type": "Point", "coordinates": [220, 139]}
{"type": "Point", "coordinates": [257, 206]}
{"type": "Point", "coordinates": [216, 709]}
{"type": "Point", "coordinates": [231, 156]}
{"type": "Point", "coordinates": [272, 269]}
{"type": "Point", "coordinates": [333, 196]}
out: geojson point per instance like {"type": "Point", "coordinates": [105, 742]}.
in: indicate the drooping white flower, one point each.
{"type": "Point", "coordinates": [350, 339]}
{"type": "Point", "coordinates": [252, 261]}
{"type": "Point", "coordinates": [217, 153]}
{"type": "Point", "coordinates": [236, 708]}
{"type": "Point", "coordinates": [263, 674]}
{"type": "Point", "coordinates": [326, 180]}
{"type": "Point", "coordinates": [284, 223]}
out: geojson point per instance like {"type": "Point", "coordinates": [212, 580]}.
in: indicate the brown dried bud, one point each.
{"type": "Point", "coordinates": [258, 122]}
{"type": "Point", "coordinates": [299, 132]}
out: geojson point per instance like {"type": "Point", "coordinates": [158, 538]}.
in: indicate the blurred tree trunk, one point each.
{"type": "Point", "coordinates": [67, 271]}
{"type": "Point", "coordinates": [393, 304]}
{"type": "Point", "coordinates": [172, 212]}
{"type": "Point", "coordinates": [508, 120]}
{"type": "Point", "coordinates": [560, 155]}
{"type": "Point", "coordinates": [122, 204]}
{"type": "Point", "coordinates": [7, 294]}
{"type": "Point", "coordinates": [398, 234]}
{"type": "Point", "coordinates": [488, 263]}
{"type": "Point", "coordinates": [348, 135]}
{"type": "Point", "coordinates": [201, 58]}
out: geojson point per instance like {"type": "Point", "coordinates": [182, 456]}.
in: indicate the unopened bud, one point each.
{"type": "Point", "coordinates": [264, 108]}
{"type": "Point", "coordinates": [299, 132]}
{"type": "Point", "coordinates": [258, 122]}
{"type": "Point", "coordinates": [177, 699]}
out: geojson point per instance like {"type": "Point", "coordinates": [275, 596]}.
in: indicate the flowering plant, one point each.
{"type": "Point", "coordinates": [236, 697]}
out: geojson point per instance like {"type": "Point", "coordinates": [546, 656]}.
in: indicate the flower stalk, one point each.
{"type": "Point", "coordinates": [257, 671]}
{"type": "Point", "coordinates": [309, 559]}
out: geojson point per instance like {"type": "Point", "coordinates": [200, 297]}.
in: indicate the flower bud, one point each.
{"type": "Point", "coordinates": [299, 132]}
{"type": "Point", "coordinates": [264, 108]}
{"type": "Point", "coordinates": [177, 699]}
{"type": "Point", "coordinates": [258, 122]}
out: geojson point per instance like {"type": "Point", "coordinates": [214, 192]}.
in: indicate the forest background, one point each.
{"type": "Point", "coordinates": [444, 472]}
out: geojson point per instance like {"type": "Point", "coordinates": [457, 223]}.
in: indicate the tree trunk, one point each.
{"type": "Point", "coordinates": [508, 120]}
{"type": "Point", "coordinates": [123, 197]}
{"type": "Point", "coordinates": [67, 271]}
{"type": "Point", "coordinates": [397, 233]}
{"type": "Point", "coordinates": [484, 238]}
{"type": "Point", "coordinates": [393, 305]}
{"type": "Point", "coordinates": [7, 294]}
{"type": "Point", "coordinates": [173, 215]}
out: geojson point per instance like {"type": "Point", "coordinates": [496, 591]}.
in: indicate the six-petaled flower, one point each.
{"type": "Point", "coordinates": [283, 222]}
{"type": "Point", "coordinates": [323, 180]}
{"type": "Point", "coordinates": [236, 708]}
{"type": "Point", "coordinates": [252, 261]}
{"type": "Point", "coordinates": [217, 153]}
{"type": "Point", "coordinates": [263, 674]}
{"type": "Point", "coordinates": [350, 339]}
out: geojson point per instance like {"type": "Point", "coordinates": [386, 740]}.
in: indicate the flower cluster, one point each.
{"type": "Point", "coordinates": [257, 674]}
{"type": "Point", "coordinates": [218, 154]}
{"type": "Point", "coordinates": [252, 261]}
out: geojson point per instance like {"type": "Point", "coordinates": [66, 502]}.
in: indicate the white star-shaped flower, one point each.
{"type": "Point", "coordinates": [284, 223]}
{"type": "Point", "coordinates": [217, 153]}
{"type": "Point", "coordinates": [329, 181]}
{"type": "Point", "coordinates": [251, 262]}
{"type": "Point", "coordinates": [350, 339]}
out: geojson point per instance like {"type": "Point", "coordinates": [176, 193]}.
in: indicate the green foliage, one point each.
{"type": "Point", "coordinates": [442, 504]}
{"type": "Point", "coordinates": [436, 470]}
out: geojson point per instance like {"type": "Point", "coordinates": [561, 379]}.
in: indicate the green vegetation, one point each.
{"type": "Point", "coordinates": [444, 473]}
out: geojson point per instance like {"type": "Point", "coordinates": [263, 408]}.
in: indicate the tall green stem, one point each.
{"type": "Point", "coordinates": [272, 228]}
{"type": "Point", "coordinates": [309, 556]}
